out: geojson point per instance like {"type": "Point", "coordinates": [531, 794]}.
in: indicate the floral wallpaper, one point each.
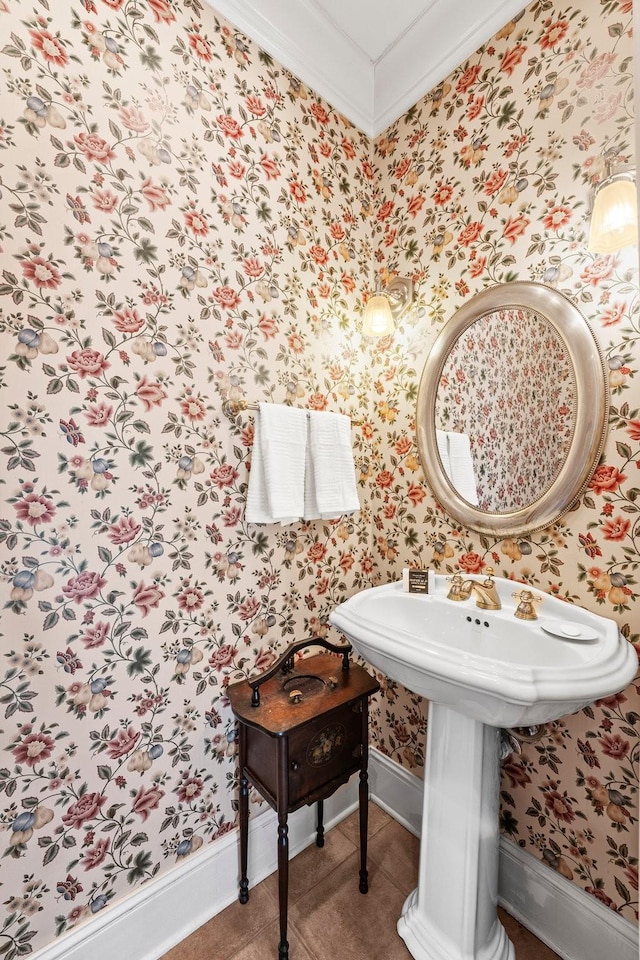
{"type": "Point", "coordinates": [184, 224]}
{"type": "Point", "coordinates": [487, 180]}
{"type": "Point", "coordinates": [508, 384]}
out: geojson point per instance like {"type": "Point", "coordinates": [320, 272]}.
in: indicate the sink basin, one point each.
{"type": "Point", "coordinates": [481, 670]}
{"type": "Point", "coordinates": [487, 663]}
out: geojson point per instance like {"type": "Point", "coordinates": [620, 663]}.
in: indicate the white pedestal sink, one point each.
{"type": "Point", "coordinates": [481, 670]}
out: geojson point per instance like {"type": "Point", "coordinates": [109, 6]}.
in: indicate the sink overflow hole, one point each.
{"type": "Point", "coordinates": [478, 623]}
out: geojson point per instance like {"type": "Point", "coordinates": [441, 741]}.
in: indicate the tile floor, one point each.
{"type": "Point", "coordinates": [328, 918]}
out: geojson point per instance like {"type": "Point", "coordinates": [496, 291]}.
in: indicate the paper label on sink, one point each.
{"type": "Point", "coordinates": [418, 581]}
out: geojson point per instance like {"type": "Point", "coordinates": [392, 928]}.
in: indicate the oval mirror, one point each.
{"type": "Point", "coordinates": [512, 409]}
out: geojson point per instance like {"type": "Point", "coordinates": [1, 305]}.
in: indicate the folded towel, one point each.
{"type": "Point", "coordinates": [442, 442]}
{"type": "Point", "coordinates": [330, 484]}
{"type": "Point", "coordinates": [276, 480]}
{"type": "Point", "coordinates": [461, 462]}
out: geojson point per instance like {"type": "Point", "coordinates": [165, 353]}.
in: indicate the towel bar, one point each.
{"type": "Point", "coordinates": [231, 407]}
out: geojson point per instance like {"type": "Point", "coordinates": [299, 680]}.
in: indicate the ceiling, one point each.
{"type": "Point", "coordinates": [371, 59]}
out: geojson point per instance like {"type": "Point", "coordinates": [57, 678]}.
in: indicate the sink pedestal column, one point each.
{"type": "Point", "coordinates": [452, 914]}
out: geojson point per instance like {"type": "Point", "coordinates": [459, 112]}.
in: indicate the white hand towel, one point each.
{"type": "Point", "coordinates": [462, 475]}
{"type": "Point", "coordinates": [276, 480]}
{"type": "Point", "coordinates": [331, 472]}
{"type": "Point", "coordinates": [442, 441]}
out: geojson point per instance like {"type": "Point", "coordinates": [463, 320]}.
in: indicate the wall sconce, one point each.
{"type": "Point", "coordinates": [386, 307]}
{"type": "Point", "coordinates": [614, 218]}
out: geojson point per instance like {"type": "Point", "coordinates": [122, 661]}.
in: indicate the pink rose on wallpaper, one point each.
{"type": "Point", "coordinates": [42, 273]}
{"type": "Point", "coordinates": [50, 47]}
{"type": "Point", "coordinates": [416, 494]}
{"type": "Point", "coordinates": [34, 509]}
{"type": "Point", "coordinates": [495, 182]}
{"type": "Point", "coordinates": [468, 78]}
{"type": "Point", "coordinates": [87, 362]}
{"type": "Point", "coordinates": [223, 657]}
{"type": "Point", "coordinates": [471, 563]}
{"type": "Point", "coordinates": [155, 195]}
{"type": "Point", "coordinates": [226, 297]}
{"type": "Point", "coordinates": [601, 269]}
{"type": "Point", "coordinates": [128, 320]}
{"type": "Point", "coordinates": [230, 127]}
{"type": "Point", "coordinates": [470, 233]}
{"type": "Point", "coordinates": [146, 800]}
{"type": "Point", "coordinates": [122, 743]}
{"type": "Point", "coordinates": [606, 479]}
{"type": "Point", "coordinates": [151, 392]}
{"type": "Point", "coordinates": [595, 70]}
{"type": "Point", "coordinates": [34, 748]}
{"type": "Point", "coordinates": [124, 531]}
{"type": "Point", "coordinates": [147, 597]}
{"type": "Point", "coordinates": [85, 808]}
{"type": "Point", "coordinates": [85, 586]}
{"type": "Point", "coordinates": [608, 108]}
{"type": "Point", "coordinates": [94, 147]}
{"type": "Point", "coordinates": [224, 475]}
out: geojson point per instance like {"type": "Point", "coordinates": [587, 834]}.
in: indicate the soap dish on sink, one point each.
{"type": "Point", "coordinates": [569, 630]}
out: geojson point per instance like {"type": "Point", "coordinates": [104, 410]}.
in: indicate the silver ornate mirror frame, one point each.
{"type": "Point", "coordinates": [591, 408]}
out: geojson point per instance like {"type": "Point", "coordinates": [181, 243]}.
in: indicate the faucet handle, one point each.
{"type": "Point", "coordinates": [457, 589]}
{"type": "Point", "coordinates": [525, 610]}
{"type": "Point", "coordinates": [489, 573]}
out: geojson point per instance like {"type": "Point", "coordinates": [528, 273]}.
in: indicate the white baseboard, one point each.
{"type": "Point", "coordinates": [571, 922]}
{"type": "Point", "coordinates": [163, 912]}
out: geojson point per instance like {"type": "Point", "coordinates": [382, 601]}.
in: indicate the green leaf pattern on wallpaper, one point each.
{"type": "Point", "coordinates": [185, 224]}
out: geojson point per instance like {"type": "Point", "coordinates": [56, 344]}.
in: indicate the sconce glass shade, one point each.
{"type": "Point", "coordinates": [614, 220]}
{"type": "Point", "coordinates": [378, 319]}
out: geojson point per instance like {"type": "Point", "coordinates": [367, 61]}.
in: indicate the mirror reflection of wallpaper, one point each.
{"type": "Point", "coordinates": [508, 384]}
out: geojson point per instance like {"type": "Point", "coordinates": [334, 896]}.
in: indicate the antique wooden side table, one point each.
{"type": "Point", "coordinates": [303, 731]}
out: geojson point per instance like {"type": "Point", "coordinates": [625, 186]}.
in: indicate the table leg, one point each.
{"type": "Point", "coordinates": [363, 793]}
{"type": "Point", "coordinates": [243, 811]}
{"type": "Point", "coordinates": [320, 825]}
{"type": "Point", "coordinates": [283, 844]}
